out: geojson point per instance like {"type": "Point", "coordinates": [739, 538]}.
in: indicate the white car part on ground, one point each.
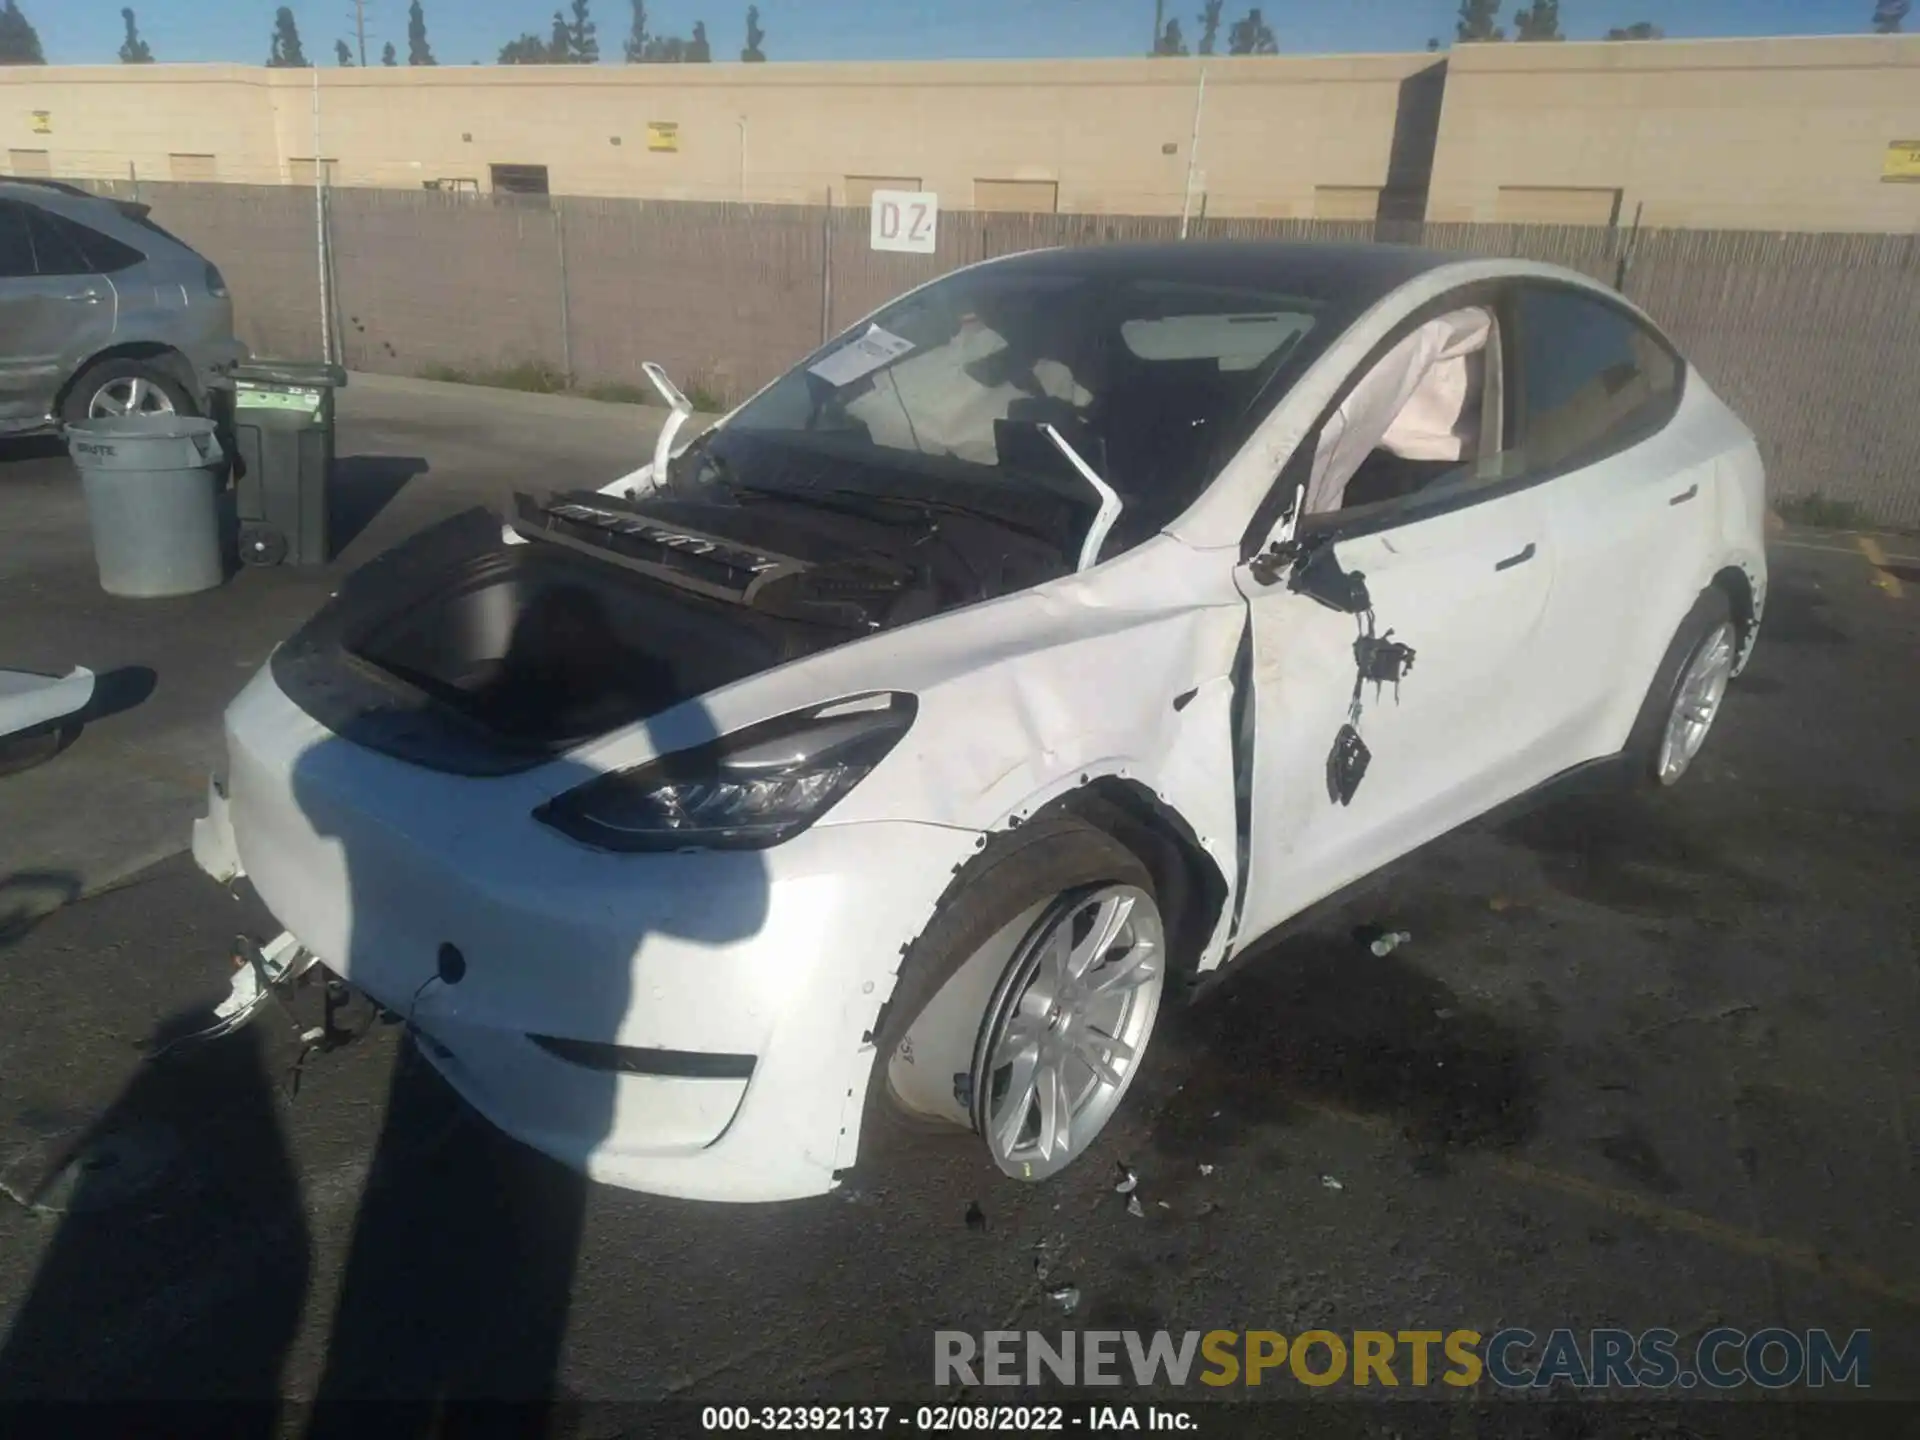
{"type": "Point", "coordinates": [29, 700]}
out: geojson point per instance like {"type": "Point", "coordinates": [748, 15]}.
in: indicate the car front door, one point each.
{"type": "Point", "coordinates": [54, 313]}
{"type": "Point", "coordinates": [1346, 772]}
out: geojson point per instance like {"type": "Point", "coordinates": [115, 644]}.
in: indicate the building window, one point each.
{"type": "Point", "coordinates": [1346, 202]}
{"type": "Point", "coordinates": [858, 194]}
{"type": "Point", "coordinates": [1034, 197]}
{"type": "Point", "coordinates": [195, 168]}
{"type": "Point", "coordinates": [34, 164]}
{"type": "Point", "coordinates": [520, 179]}
{"type": "Point", "coordinates": [1557, 205]}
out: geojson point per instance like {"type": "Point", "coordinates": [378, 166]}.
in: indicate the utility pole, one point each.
{"type": "Point", "coordinates": [1159, 25]}
{"type": "Point", "coordinates": [360, 26]}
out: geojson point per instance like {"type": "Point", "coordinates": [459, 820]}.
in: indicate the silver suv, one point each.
{"type": "Point", "coordinates": [101, 311]}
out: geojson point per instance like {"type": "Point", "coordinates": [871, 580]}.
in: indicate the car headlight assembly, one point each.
{"type": "Point", "coordinates": [749, 790]}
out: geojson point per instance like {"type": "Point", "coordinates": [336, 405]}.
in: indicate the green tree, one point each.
{"type": "Point", "coordinates": [1540, 20]}
{"type": "Point", "coordinates": [1251, 35]}
{"type": "Point", "coordinates": [19, 41]}
{"type": "Point", "coordinates": [1639, 30]}
{"type": "Point", "coordinates": [1169, 42]}
{"type": "Point", "coordinates": [286, 52]}
{"type": "Point", "coordinates": [419, 52]}
{"type": "Point", "coordinates": [583, 44]}
{"type": "Point", "coordinates": [388, 56]}
{"type": "Point", "coordinates": [1479, 21]}
{"type": "Point", "coordinates": [529, 49]}
{"type": "Point", "coordinates": [699, 52]}
{"type": "Point", "coordinates": [753, 54]}
{"type": "Point", "coordinates": [134, 50]}
{"type": "Point", "coordinates": [560, 46]}
{"type": "Point", "coordinates": [1890, 15]}
{"type": "Point", "coordinates": [635, 46]}
{"type": "Point", "coordinates": [342, 53]}
{"type": "Point", "coordinates": [1210, 24]}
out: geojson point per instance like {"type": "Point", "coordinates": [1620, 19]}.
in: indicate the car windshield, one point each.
{"type": "Point", "coordinates": [1149, 379]}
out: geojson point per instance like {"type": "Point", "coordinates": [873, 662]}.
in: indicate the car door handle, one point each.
{"type": "Point", "coordinates": [91, 297]}
{"type": "Point", "coordinates": [1520, 559]}
{"type": "Point", "coordinates": [1685, 495]}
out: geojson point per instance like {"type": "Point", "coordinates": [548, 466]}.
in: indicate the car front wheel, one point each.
{"type": "Point", "coordinates": [1024, 1011]}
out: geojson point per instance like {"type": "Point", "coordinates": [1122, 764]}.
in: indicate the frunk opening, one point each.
{"type": "Point", "coordinates": [545, 649]}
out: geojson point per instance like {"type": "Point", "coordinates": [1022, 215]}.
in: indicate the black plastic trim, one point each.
{"type": "Point", "coordinates": [646, 1060]}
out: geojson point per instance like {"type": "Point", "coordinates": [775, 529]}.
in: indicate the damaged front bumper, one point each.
{"type": "Point", "coordinates": [695, 1024]}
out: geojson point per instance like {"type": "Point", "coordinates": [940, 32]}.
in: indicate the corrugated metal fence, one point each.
{"type": "Point", "coordinates": [1815, 339]}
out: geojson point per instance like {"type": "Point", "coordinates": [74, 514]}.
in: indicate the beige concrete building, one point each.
{"type": "Point", "coordinates": [1760, 134]}
{"type": "Point", "coordinates": [1736, 134]}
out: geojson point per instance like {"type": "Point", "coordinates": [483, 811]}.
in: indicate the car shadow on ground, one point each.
{"type": "Point", "coordinates": [362, 486]}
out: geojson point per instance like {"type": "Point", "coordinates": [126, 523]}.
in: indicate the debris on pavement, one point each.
{"type": "Point", "coordinates": [1164, 1204]}
{"type": "Point", "coordinates": [1445, 1012]}
{"type": "Point", "coordinates": [1135, 1208]}
{"type": "Point", "coordinates": [1126, 1180]}
{"type": "Point", "coordinates": [1390, 942]}
{"type": "Point", "coordinates": [1067, 1297]}
{"type": "Point", "coordinates": [976, 1217]}
{"type": "Point", "coordinates": [1205, 1169]}
{"type": "Point", "coordinates": [1330, 1183]}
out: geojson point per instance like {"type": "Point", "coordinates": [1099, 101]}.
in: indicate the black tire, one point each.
{"type": "Point", "coordinates": [1709, 612]}
{"type": "Point", "coordinates": [1017, 870]}
{"type": "Point", "coordinates": [80, 394]}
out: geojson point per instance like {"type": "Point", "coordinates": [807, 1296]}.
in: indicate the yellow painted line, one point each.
{"type": "Point", "coordinates": [1838, 550]}
{"type": "Point", "coordinates": [1877, 558]}
{"type": "Point", "coordinates": [1672, 1218]}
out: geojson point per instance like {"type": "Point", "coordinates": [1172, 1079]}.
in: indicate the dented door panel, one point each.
{"type": "Point", "coordinates": [1457, 735]}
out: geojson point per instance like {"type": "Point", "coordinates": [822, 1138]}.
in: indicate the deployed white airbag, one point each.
{"type": "Point", "coordinates": [1413, 403]}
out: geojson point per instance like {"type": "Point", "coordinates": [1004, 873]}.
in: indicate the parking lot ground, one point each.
{"type": "Point", "coordinates": [1645, 1061]}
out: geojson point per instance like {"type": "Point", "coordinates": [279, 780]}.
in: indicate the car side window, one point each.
{"type": "Point", "coordinates": [104, 254]}
{"type": "Point", "coordinates": [1592, 379]}
{"type": "Point", "coordinates": [16, 250]}
{"type": "Point", "coordinates": [54, 248]}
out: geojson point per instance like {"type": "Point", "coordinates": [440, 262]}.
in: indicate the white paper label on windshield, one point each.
{"type": "Point", "coordinates": [860, 357]}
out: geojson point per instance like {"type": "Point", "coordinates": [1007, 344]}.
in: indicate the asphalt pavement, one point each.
{"type": "Point", "coordinates": [1644, 1061]}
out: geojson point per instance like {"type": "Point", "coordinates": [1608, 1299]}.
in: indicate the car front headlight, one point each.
{"type": "Point", "coordinates": [746, 791]}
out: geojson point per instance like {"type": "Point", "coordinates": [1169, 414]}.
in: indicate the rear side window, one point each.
{"type": "Point", "coordinates": [16, 250]}
{"type": "Point", "coordinates": [65, 247]}
{"type": "Point", "coordinates": [103, 253]}
{"type": "Point", "coordinates": [1592, 379]}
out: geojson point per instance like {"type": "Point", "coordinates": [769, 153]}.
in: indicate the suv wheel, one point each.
{"type": "Point", "coordinates": [126, 387]}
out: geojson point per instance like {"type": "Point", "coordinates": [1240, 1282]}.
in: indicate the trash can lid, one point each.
{"type": "Point", "coordinates": [142, 427]}
{"type": "Point", "coordinates": [308, 374]}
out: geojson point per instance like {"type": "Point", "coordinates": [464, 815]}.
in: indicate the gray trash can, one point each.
{"type": "Point", "coordinates": [152, 484]}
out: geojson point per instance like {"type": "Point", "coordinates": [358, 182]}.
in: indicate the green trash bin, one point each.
{"type": "Point", "coordinates": [152, 484]}
{"type": "Point", "coordinates": [283, 454]}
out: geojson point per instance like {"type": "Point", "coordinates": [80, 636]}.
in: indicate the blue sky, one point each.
{"type": "Point", "coordinates": [464, 31]}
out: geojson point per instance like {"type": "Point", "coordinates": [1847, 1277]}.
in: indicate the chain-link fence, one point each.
{"type": "Point", "coordinates": [1815, 339]}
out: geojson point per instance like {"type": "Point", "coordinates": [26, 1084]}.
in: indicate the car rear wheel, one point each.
{"type": "Point", "coordinates": [1024, 1011]}
{"type": "Point", "coordinates": [123, 386]}
{"type": "Point", "coordinates": [1687, 692]}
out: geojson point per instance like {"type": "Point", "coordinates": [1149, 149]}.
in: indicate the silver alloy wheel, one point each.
{"type": "Point", "coordinates": [129, 395]}
{"type": "Point", "coordinates": [1067, 1028]}
{"type": "Point", "coordinates": [1696, 700]}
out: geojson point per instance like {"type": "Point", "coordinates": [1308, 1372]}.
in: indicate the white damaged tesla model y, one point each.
{"type": "Point", "coordinates": [892, 752]}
